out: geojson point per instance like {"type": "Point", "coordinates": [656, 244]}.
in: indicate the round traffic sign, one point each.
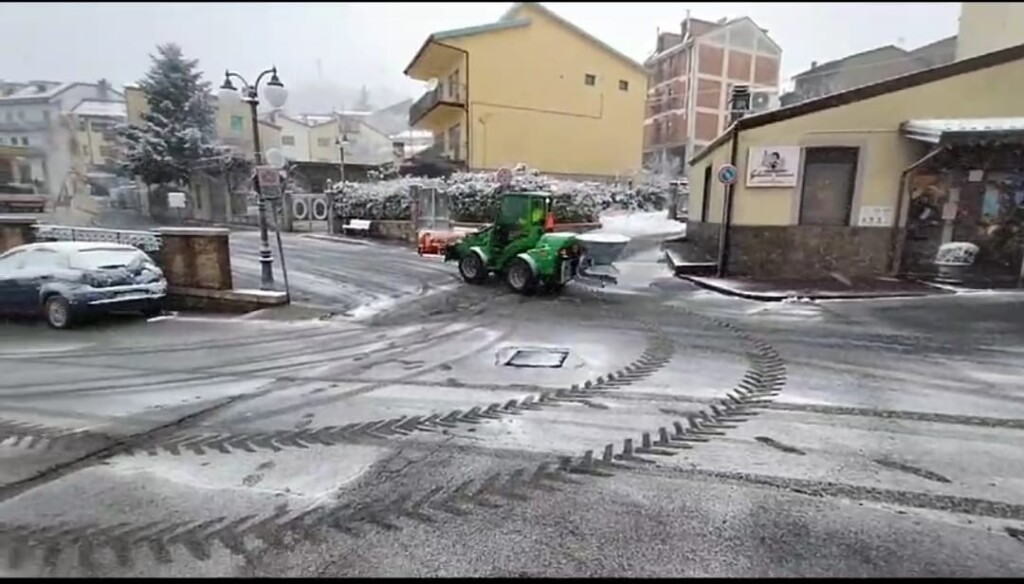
{"type": "Point", "coordinates": [504, 176]}
{"type": "Point", "coordinates": [727, 174]}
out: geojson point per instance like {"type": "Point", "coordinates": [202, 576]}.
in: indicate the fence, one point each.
{"type": "Point", "coordinates": [147, 241]}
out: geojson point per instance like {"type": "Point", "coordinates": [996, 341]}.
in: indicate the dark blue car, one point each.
{"type": "Point", "coordinates": [66, 280]}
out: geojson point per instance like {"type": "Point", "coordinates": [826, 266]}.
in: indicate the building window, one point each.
{"type": "Point", "coordinates": [288, 140]}
{"type": "Point", "coordinates": [829, 179]}
{"type": "Point", "coordinates": [83, 126]}
{"type": "Point", "coordinates": [85, 151]}
{"type": "Point", "coordinates": [590, 79]}
{"type": "Point", "coordinates": [107, 152]}
{"type": "Point", "coordinates": [237, 123]}
{"type": "Point", "coordinates": [323, 142]}
{"type": "Point", "coordinates": [46, 115]}
{"type": "Point", "coordinates": [24, 141]}
{"type": "Point", "coordinates": [21, 115]}
{"type": "Point", "coordinates": [623, 85]}
{"type": "Point", "coordinates": [100, 127]}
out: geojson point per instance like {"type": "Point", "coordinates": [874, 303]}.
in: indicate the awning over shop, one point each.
{"type": "Point", "coordinates": [966, 132]}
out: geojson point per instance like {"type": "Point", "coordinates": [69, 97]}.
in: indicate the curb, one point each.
{"type": "Point", "coordinates": [700, 282]}
{"type": "Point", "coordinates": [334, 238]}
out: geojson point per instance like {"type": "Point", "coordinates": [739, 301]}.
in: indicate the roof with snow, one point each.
{"type": "Point", "coordinates": [101, 108]}
{"type": "Point", "coordinates": [509, 20]}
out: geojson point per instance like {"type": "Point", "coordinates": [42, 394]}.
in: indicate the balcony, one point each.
{"type": "Point", "coordinates": [444, 95]}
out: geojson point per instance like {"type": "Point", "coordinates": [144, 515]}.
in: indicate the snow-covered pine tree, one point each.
{"type": "Point", "coordinates": [177, 131]}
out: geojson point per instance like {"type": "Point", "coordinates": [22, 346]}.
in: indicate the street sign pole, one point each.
{"type": "Point", "coordinates": [727, 175]}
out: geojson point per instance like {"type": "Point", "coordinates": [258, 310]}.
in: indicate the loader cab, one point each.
{"type": "Point", "coordinates": [521, 210]}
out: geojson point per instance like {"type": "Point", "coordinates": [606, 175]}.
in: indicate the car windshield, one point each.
{"type": "Point", "coordinates": [107, 258]}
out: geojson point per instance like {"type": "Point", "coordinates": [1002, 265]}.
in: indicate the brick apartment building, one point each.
{"type": "Point", "coordinates": [690, 77]}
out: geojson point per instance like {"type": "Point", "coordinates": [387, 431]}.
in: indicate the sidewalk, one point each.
{"type": "Point", "coordinates": [825, 288]}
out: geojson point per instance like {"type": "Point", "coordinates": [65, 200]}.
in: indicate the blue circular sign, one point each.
{"type": "Point", "coordinates": [727, 174]}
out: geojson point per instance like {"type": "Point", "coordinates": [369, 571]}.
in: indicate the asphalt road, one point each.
{"type": "Point", "coordinates": [342, 277]}
{"type": "Point", "coordinates": [868, 438]}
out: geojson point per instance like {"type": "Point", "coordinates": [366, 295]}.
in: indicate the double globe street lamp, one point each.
{"type": "Point", "coordinates": [276, 95]}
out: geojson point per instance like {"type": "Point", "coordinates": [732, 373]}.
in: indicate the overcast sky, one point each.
{"type": "Point", "coordinates": [356, 43]}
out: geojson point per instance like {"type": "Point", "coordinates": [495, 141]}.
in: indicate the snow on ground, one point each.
{"type": "Point", "coordinates": [640, 224]}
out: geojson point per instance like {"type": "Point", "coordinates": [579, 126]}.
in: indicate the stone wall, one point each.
{"type": "Point", "coordinates": [703, 239]}
{"type": "Point", "coordinates": [794, 252]}
{"type": "Point", "coordinates": [16, 230]}
{"type": "Point", "coordinates": [196, 257]}
{"type": "Point", "coordinates": [808, 252]}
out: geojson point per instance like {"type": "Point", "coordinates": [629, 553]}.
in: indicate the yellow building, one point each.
{"type": "Point", "coordinates": [988, 26]}
{"type": "Point", "coordinates": [871, 180]}
{"type": "Point", "coordinates": [531, 88]}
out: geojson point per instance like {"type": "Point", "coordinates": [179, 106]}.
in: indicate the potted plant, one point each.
{"type": "Point", "coordinates": [953, 259]}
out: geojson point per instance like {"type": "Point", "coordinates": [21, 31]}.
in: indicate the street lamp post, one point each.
{"type": "Point", "coordinates": [340, 142]}
{"type": "Point", "coordinates": [276, 96]}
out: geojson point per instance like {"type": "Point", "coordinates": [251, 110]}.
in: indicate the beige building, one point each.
{"type": "Point", "coordinates": [96, 145]}
{"type": "Point", "coordinates": [989, 26]}
{"type": "Point", "coordinates": [871, 180]}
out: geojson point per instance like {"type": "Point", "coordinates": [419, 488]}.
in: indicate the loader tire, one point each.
{"type": "Point", "coordinates": [520, 277]}
{"type": "Point", "coordinates": [472, 269]}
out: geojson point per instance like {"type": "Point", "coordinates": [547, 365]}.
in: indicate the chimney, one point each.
{"type": "Point", "coordinates": [103, 88]}
{"type": "Point", "coordinates": [814, 64]}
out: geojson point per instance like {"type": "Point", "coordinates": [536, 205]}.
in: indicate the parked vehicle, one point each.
{"type": "Point", "coordinates": [67, 280]}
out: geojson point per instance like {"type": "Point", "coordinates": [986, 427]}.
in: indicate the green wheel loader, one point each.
{"type": "Point", "coordinates": [521, 247]}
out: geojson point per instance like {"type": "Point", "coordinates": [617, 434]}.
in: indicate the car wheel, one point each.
{"type": "Point", "coordinates": [152, 311]}
{"type": "Point", "coordinates": [472, 269]}
{"type": "Point", "coordinates": [58, 312]}
{"type": "Point", "coordinates": [520, 277]}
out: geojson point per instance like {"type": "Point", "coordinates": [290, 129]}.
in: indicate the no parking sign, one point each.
{"type": "Point", "coordinates": [727, 174]}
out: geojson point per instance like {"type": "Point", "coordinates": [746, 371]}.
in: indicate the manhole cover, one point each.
{"type": "Point", "coordinates": [551, 358]}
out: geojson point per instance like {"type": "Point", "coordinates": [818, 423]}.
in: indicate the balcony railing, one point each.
{"type": "Point", "coordinates": [444, 93]}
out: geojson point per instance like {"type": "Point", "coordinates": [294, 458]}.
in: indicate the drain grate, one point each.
{"type": "Point", "coordinates": [545, 358]}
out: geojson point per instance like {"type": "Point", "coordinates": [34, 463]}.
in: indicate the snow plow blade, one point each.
{"type": "Point", "coordinates": [433, 243]}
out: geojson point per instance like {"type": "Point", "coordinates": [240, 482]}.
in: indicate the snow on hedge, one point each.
{"type": "Point", "coordinates": [473, 196]}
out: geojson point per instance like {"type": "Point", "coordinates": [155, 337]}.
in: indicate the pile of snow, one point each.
{"type": "Point", "coordinates": [641, 224]}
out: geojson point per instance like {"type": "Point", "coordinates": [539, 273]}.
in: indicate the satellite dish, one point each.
{"type": "Point", "coordinates": [276, 158]}
{"type": "Point", "coordinates": [432, 84]}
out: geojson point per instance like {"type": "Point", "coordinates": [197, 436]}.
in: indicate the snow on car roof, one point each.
{"type": "Point", "coordinates": [74, 246]}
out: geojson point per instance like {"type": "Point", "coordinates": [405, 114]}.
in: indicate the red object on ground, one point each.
{"type": "Point", "coordinates": [434, 242]}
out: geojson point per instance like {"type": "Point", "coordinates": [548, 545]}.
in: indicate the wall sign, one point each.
{"type": "Point", "coordinates": [772, 166]}
{"type": "Point", "coordinates": [875, 217]}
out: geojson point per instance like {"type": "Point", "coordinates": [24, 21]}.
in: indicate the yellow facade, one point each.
{"type": "Point", "coordinates": [522, 92]}
{"type": "Point", "coordinates": [988, 26]}
{"type": "Point", "coordinates": [872, 125]}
